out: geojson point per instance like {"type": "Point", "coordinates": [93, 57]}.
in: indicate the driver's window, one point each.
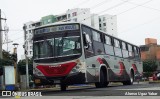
{"type": "Point", "coordinates": [88, 51]}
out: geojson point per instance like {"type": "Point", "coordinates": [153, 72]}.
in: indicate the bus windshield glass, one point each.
{"type": "Point", "coordinates": [57, 44]}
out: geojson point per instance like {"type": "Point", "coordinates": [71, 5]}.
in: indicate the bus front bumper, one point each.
{"type": "Point", "coordinates": [74, 78]}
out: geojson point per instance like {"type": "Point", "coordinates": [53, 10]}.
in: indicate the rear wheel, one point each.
{"type": "Point", "coordinates": [130, 81]}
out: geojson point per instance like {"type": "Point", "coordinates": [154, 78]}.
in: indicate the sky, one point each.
{"type": "Point", "coordinates": [136, 19]}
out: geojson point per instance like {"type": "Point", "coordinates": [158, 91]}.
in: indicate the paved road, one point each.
{"type": "Point", "coordinates": [90, 92]}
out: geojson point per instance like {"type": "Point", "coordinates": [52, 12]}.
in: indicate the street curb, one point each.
{"type": "Point", "coordinates": [154, 82]}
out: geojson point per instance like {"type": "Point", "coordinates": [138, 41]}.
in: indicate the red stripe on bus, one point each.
{"type": "Point", "coordinates": [134, 67]}
{"type": "Point", "coordinates": [56, 70]}
{"type": "Point", "coordinates": [99, 60]}
{"type": "Point", "coordinates": [122, 68]}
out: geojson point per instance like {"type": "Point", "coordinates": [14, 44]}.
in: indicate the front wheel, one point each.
{"type": "Point", "coordinates": [103, 81]}
{"type": "Point", "coordinates": [63, 87]}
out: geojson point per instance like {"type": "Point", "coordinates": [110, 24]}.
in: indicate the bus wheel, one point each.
{"type": "Point", "coordinates": [130, 81]}
{"type": "Point", "coordinates": [102, 82]}
{"type": "Point", "coordinates": [63, 87]}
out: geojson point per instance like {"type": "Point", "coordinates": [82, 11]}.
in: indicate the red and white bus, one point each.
{"type": "Point", "coordinates": [74, 53]}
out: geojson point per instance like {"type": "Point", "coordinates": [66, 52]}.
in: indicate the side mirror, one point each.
{"type": "Point", "coordinates": [87, 40]}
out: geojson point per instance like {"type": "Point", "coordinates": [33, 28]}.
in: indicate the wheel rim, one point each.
{"type": "Point", "coordinates": [131, 79]}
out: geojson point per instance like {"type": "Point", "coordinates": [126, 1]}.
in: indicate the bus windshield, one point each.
{"type": "Point", "coordinates": [57, 47]}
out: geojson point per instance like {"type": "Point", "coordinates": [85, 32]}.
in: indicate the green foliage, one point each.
{"type": "Point", "coordinates": [149, 67]}
{"type": "Point", "coordinates": [22, 66]}
{"type": "Point", "coordinates": [6, 61]}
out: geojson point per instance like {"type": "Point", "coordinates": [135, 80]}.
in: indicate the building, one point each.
{"type": "Point", "coordinates": [151, 51]}
{"type": "Point", "coordinates": [28, 34]}
{"type": "Point", "coordinates": [106, 23]}
{"type": "Point", "coordinates": [48, 19]}
{"type": "Point", "coordinates": [79, 15]}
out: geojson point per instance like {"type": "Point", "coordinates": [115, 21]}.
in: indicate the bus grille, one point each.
{"type": "Point", "coordinates": [56, 70]}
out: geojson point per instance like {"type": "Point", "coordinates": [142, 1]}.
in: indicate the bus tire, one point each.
{"type": "Point", "coordinates": [63, 87]}
{"type": "Point", "coordinates": [131, 80]}
{"type": "Point", "coordinates": [103, 81]}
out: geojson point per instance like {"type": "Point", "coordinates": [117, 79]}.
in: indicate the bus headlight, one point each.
{"type": "Point", "coordinates": [75, 69]}
{"type": "Point", "coordinates": [37, 72]}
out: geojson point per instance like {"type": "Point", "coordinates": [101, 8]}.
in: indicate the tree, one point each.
{"type": "Point", "coordinates": [6, 61]}
{"type": "Point", "coordinates": [149, 67]}
{"type": "Point", "coordinates": [22, 66]}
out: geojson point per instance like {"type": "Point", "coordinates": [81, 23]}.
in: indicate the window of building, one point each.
{"type": "Point", "coordinates": [99, 20]}
{"type": "Point", "coordinates": [49, 20]}
{"type": "Point", "coordinates": [144, 48]}
{"type": "Point", "coordinates": [75, 19]}
{"type": "Point", "coordinates": [69, 15]}
{"type": "Point", "coordinates": [99, 25]}
{"type": "Point", "coordinates": [104, 24]}
{"type": "Point", "coordinates": [74, 14]}
{"type": "Point", "coordinates": [104, 18]}
{"type": "Point", "coordinates": [96, 36]}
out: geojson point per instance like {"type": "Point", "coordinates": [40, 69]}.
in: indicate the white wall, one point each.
{"type": "Point", "coordinates": [95, 21]}
{"type": "Point", "coordinates": [111, 24]}
{"type": "Point", "coordinates": [29, 42]}
{"type": "Point", "coordinates": [83, 15]}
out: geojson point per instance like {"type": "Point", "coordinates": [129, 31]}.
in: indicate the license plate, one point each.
{"type": "Point", "coordinates": [56, 81]}
{"type": "Point", "coordinates": [37, 81]}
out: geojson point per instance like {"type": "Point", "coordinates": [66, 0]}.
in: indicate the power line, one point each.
{"type": "Point", "coordinates": [134, 7]}
{"type": "Point", "coordinates": [144, 6]}
{"type": "Point", "coordinates": [99, 4]}
{"type": "Point", "coordinates": [127, 10]}
{"type": "Point", "coordinates": [81, 3]}
{"type": "Point", "coordinates": [140, 24]}
{"type": "Point", "coordinates": [119, 4]}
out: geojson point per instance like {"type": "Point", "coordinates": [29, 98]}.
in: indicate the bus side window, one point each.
{"type": "Point", "coordinates": [136, 51]}
{"type": "Point", "coordinates": [98, 42]}
{"type": "Point", "coordinates": [88, 52]}
{"type": "Point", "coordinates": [124, 50]}
{"type": "Point", "coordinates": [108, 45]}
{"type": "Point", "coordinates": [117, 49]}
{"type": "Point", "coordinates": [131, 53]}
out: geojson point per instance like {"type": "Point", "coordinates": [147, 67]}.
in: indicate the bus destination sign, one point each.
{"type": "Point", "coordinates": [56, 28]}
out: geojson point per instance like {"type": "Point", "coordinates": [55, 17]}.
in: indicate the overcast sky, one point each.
{"type": "Point", "coordinates": [136, 19]}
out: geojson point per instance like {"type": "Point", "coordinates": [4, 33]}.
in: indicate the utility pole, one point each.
{"type": "Point", "coordinates": [25, 52]}
{"type": "Point", "coordinates": [0, 36]}
{"type": "Point", "coordinates": [1, 55]}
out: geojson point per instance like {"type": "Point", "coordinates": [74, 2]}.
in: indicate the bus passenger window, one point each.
{"type": "Point", "coordinates": [96, 36]}
{"type": "Point", "coordinates": [88, 52]}
{"type": "Point", "coordinates": [131, 53]}
{"type": "Point", "coordinates": [117, 48]}
{"type": "Point", "coordinates": [107, 40]}
{"type": "Point", "coordinates": [124, 50]}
